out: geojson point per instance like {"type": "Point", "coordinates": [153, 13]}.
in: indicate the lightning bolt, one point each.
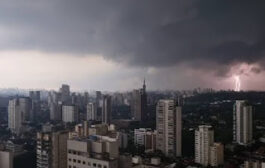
{"type": "Point", "coordinates": [237, 83]}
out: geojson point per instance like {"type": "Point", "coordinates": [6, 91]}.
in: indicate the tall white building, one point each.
{"type": "Point", "coordinates": [18, 113]}
{"type": "Point", "coordinates": [242, 122]}
{"type": "Point", "coordinates": [91, 111]}
{"type": "Point", "coordinates": [168, 125]}
{"type": "Point", "coordinates": [207, 152]}
{"type": "Point", "coordinates": [204, 139]}
{"type": "Point", "coordinates": [70, 113]}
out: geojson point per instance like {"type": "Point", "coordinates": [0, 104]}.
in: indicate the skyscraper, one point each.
{"type": "Point", "coordinates": [59, 149]}
{"type": "Point", "coordinates": [35, 100]}
{"type": "Point", "coordinates": [139, 104]}
{"type": "Point", "coordinates": [91, 111]}
{"type": "Point", "coordinates": [106, 109]}
{"type": "Point", "coordinates": [19, 110]}
{"type": "Point", "coordinates": [65, 93]}
{"type": "Point", "coordinates": [55, 106]}
{"type": "Point", "coordinates": [168, 125]}
{"type": "Point", "coordinates": [204, 139]}
{"type": "Point", "coordinates": [242, 122]}
{"type": "Point", "coordinates": [70, 113]}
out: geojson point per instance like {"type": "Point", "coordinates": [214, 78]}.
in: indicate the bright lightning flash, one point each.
{"type": "Point", "coordinates": [237, 83]}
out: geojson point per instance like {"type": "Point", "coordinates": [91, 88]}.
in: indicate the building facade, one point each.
{"type": "Point", "coordinates": [106, 109]}
{"type": "Point", "coordinates": [204, 139]}
{"type": "Point", "coordinates": [91, 111]}
{"type": "Point", "coordinates": [242, 126]}
{"type": "Point", "coordinates": [93, 152]}
{"type": "Point", "coordinates": [169, 128]}
{"type": "Point", "coordinates": [19, 110]}
{"type": "Point", "coordinates": [70, 113]}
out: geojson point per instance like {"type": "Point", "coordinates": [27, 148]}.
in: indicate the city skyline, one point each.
{"type": "Point", "coordinates": [93, 45]}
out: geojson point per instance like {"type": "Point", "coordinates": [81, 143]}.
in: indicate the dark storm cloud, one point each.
{"type": "Point", "coordinates": [210, 34]}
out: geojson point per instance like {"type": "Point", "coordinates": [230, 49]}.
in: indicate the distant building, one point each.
{"type": "Point", "coordinates": [91, 111]}
{"type": "Point", "coordinates": [35, 99]}
{"type": "Point", "coordinates": [35, 95]}
{"type": "Point", "coordinates": [140, 135]}
{"type": "Point", "coordinates": [55, 111]}
{"type": "Point", "coordinates": [243, 129]}
{"type": "Point", "coordinates": [106, 109]}
{"type": "Point", "coordinates": [70, 113]}
{"type": "Point", "coordinates": [169, 128]}
{"type": "Point", "coordinates": [145, 137]}
{"type": "Point", "coordinates": [65, 93]}
{"type": "Point", "coordinates": [139, 104]}
{"type": "Point", "coordinates": [19, 110]}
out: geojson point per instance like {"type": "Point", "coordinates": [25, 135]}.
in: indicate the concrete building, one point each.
{"type": "Point", "coordinates": [55, 111]}
{"type": "Point", "coordinates": [242, 127]}
{"type": "Point", "coordinates": [35, 99]}
{"type": "Point", "coordinates": [59, 149]}
{"type": "Point", "coordinates": [168, 126]}
{"type": "Point", "coordinates": [19, 110]}
{"type": "Point", "coordinates": [207, 152]}
{"type": "Point", "coordinates": [253, 164]}
{"type": "Point", "coordinates": [52, 149]}
{"type": "Point", "coordinates": [106, 109]}
{"type": "Point", "coordinates": [44, 145]}
{"type": "Point", "coordinates": [216, 154]}
{"type": "Point", "coordinates": [140, 136]}
{"type": "Point", "coordinates": [204, 139]}
{"type": "Point", "coordinates": [6, 159]}
{"type": "Point", "coordinates": [55, 106]}
{"type": "Point", "coordinates": [70, 113]}
{"type": "Point", "coordinates": [65, 93]}
{"type": "Point", "coordinates": [145, 137]}
{"type": "Point", "coordinates": [91, 111]}
{"type": "Point", "coordinates": [95, 151]}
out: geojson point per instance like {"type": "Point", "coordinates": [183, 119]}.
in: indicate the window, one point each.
{"type": "Point", "coordinates": [84, 162]}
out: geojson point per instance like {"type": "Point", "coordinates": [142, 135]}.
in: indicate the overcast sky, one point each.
{"type": "Point", "coordinates": [113, 44]}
